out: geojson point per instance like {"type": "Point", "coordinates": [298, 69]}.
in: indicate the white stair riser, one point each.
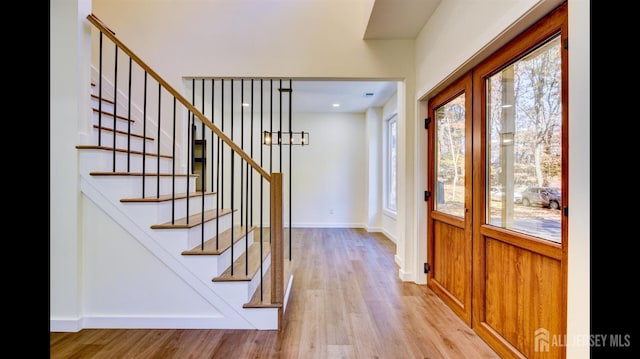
{"type": "Point", "coordinates": [102, 161]}
{"type": "Point", "coordinates": [187, 238]}
{"type": "Point", "coordinates": [131, 186]}
{"type": "Point", "coordinates": [235, 292]}
{"type": "Point", "coordinates": [121, 124]}
{"type": "Point", "coordinates": [213, 265]}
{"type": "Point", "coordinates": [238, 249]}
{"type": "Point", "coordinates": [211, 229]}
{"type": "Point", "coordinates": [148, 213]}
{"type": "Point", "coordinates": [123, 141]}
{"type": "Point", "coordinates": [240, 292]}
{"type": "Point", "coordinates": [254, 284]}
{"type": "Point", "coordinates": [174, 240]}
{"type": "Point", "coordinates": [263, 318]}
{"type": "Point", "coordinates": [206, 267]}
{"type": "Point", "coordinates": [106, 106]}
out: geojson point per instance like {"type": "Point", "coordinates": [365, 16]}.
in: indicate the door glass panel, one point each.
{"type": "Point", "coordinates": [449, 155]}
{"type": "Point", "coordinates": [524, 140]}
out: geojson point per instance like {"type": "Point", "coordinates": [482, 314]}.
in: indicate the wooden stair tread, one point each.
{"type": "Point", "coordinates": [209, 246]}
{"type": "Point", "coordinates": [110, 114]}
{"type": "Point", "coordinates": [194, 219]}
{"type": "Point", "coordinates": [239, 264]}
{"type": "Point", "coordinates": [103, 99]}
{"type": "Point", "coordinates": [122, 150]}
{"type": "Point", "coordinates": [164, 198]}
{"type": "Point", "coordinates": [265, 302]}
{"type": "Point", "coordinates": [109, 129]}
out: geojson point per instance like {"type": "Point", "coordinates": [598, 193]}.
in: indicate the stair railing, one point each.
{"type": "Point", "coordinates": [274, 180]}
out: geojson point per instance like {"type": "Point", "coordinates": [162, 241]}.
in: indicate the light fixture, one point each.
{"type": "Point", "coordinates": [285, 138]}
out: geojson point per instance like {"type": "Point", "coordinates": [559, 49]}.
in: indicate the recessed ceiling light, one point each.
{"type": "Point", "coordinates": [336, 105]}
{"type": "Point", "coordinates": [244, 104]}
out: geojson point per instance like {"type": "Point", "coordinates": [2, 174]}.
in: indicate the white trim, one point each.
{"type": "Point", "coordinates": [328, 225]}
{"type": "Point", "coordinates": [390, 214]}
{"type": "Point", "coordinates": [385, 164]}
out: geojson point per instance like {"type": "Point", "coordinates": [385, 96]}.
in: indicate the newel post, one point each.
{"type": "Point", "coordinates": [277, 234]}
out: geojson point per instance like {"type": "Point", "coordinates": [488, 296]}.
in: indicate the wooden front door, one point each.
{"type": "Point", "coordinates": [450, 195]}
{"type": "Point", "coordinates": [520, 202]}
{"type": "Point", "coordinates": [498, 178]}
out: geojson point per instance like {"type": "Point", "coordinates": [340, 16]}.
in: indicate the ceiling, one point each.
{"type": "Point", "coordinates": [389, 19]}
{"type": "Point", "coordinates": [352, 96]}
{"type": "Point", "coordinates": [398, 19]}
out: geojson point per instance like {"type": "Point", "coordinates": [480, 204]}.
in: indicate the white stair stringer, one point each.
{"type": "Point", "coordinates": [224, 296]}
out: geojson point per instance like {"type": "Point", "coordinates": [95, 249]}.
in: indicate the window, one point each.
{"type": "Point", "coordinates": [524, 143]}
{"type": "Point", "coordinates": [450, 157]}
{"type": "Point", "coordinates": [391, 165]}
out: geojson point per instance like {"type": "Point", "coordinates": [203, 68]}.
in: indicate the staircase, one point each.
{"type": "Point", "coordinates": [239, 268]}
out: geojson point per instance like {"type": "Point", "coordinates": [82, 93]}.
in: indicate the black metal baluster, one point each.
{"type": "Point", "coordinates": [190, 161]}
{"type": "Point", "coordinates": [158, 153]}
{"type": "Point", "coordinates": [280, 127]}
{"type": "Point", "coordinates": [250, 220]}
{"type": "Point", "coordinates": [202, 172]}
{"type": "Point", "coordinates": [290, 162]}
{"type": "Point", "coordinates": [144, 134]}
{"type": "Point", "coordinates": [222, 143]}
{"type": "Point", "coordinates": [242, 206]}
{"type": "Point", "coordinates": [100, 93]}
{"type": "Point", "coordinates": [115, 105]}
{"type": "Point", "coordinates": [261, 185]}
{"type": "Point", "coordinates": [173, 165]}
{"type": "Point", "coordinates": [217, 167]}
{"type": "Point", "coordinates": [242, 147]}
{"type": "Point", "coordinates": [129, 120]}
{"type": "Point", "coordinates": [271, 126]}
{"type": "Point", "coordinates": [231, 175]}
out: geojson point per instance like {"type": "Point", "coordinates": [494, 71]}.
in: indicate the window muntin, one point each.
{"type": "Point", "coordinates": [450, 157]}
{"type": "Point", "coordinates": [524, 144]}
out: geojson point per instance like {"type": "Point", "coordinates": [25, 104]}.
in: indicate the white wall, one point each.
{"type": "Point", "coordinates": [123, 284]}
{"type": "Point", "coordinates": [69, 93]}
{"type": "Point", "coordinates": [267, 39]}
{"type": "Point", "coordinates": [459, 35]}
{"type": "Point", "coordinates": [330, 175]}
{"type": "Point", "coordinates": [374, 169]}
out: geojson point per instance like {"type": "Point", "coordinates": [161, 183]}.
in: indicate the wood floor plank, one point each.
{"type": "Point", "coordinates": [346, 302]}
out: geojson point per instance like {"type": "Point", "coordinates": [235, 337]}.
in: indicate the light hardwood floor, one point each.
{"type": "Point", "coordinates": [346, 302]}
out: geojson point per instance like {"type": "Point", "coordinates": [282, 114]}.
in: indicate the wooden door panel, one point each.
{"type": "Point", "coordinates": [451, 271]}
{"type": "Point", "coordinates": [523, 294]}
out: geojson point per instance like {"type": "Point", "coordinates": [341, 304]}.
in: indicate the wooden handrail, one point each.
{"type": "Point", "coordinates": [111, 35]}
